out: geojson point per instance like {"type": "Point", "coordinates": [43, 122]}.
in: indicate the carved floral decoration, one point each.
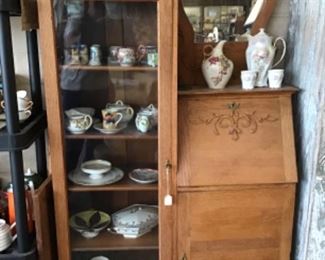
{"type": "Point", "coordinates": [235, 122]}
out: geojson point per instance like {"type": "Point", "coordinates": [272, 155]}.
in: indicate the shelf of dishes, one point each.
{"type": "Point", "coordinates": [118, 56]}
{"type": "Point", "coordinates": [115, 118]}
{"type": "Point", "coordinates": [137, 180]}
{"type": "Point", "coordinates": [130, 228]}
{"type": "Point", "coordinates": [102, 175]}
{"type": "Point", "coordinates": [109, 68]}
{"type": "Point", "coordinates": [128, 133]}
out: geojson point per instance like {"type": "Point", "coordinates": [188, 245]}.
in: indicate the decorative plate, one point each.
{"type": "Point", "coordinates": [82, 178]}
{"type": "Point", "coordinates": [99, 127]}
{"type": "Point", "coordinates": [144, 176]}
{"type": "Point", "coordinates": [89, 223]}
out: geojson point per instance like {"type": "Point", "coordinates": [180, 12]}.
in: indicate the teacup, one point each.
{"type": "Point", "coordinates": [79, 124]}
{"type": "Point", "coordinates": [143, 55]}
{"type": "Point", "coordinates": [111, 120]}
{"type": "Point", "coordinates": [23, 102]}
{"type": "Point", "coordinates": [126, 57]}
{"type": "Point", "coordinates": [275, 78]}
{"type": "Point", "coordinates": [23, 115]}
{"type": "Point", "coordinates": [119, 107]}
{"type": "Point", "coordinates": [113, 53]}
{"type": "Point", "coordinates": [248, 79]}
{"type": "Point", "coordinates": [6, 237]}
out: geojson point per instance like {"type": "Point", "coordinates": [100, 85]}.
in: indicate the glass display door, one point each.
{"type": "Point", "coordinates": [108, 56]}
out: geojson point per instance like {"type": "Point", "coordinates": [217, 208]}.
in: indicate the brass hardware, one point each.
{"type": "Point", "coordinates": [168, 199]}
{"type": "Point", "coordinates": [184, 257]}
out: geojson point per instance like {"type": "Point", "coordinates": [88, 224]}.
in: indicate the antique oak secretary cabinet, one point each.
{"type": "Point", "coordinates": [232, 181]}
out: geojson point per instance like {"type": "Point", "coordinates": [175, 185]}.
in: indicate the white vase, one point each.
{"type": "Point", "coordinates": [216, 67]}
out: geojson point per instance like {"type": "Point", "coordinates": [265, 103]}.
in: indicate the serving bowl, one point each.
{"type": "Point", "coordinates": [90, 222]}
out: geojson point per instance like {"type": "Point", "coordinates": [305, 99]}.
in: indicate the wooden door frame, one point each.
{"type": "Point", "coordinates": [167, 129]}
{"type": "Point", "coordinates": [55, 126]}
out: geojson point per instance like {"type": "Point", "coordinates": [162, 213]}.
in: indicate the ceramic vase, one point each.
{"type": "Point", "coordinates": [216, 67]}
{"type": "Point", "coordinates": [260, 55]}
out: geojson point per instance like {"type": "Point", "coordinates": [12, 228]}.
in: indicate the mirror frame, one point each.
{"type": "Point", "coordinates": [190, 54]}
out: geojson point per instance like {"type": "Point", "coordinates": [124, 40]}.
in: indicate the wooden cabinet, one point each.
{"type": "Point", "coordinates": [73, 78]}
{"type": "Point", "coordinates": [236, 174]}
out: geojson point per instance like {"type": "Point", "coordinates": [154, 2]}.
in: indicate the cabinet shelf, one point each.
{"type": "Point", "coordinates": [106, 241]}
{"type": "Point", "coordinates": [109, 68]}
{"type": "Point", "coordinates": [130, 133]}
{"type": "Point", "coordinates": [124, 185]}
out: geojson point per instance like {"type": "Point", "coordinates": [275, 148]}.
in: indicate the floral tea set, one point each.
{"type": "Point", "coordinates": [115, 118]}
{"type": "Point", "coordinates": [145, 55]}
{"type": "Point", "coordinates": [217, 69]}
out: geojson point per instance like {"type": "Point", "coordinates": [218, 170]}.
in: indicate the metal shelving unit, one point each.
{"type": "Point", "coordinates": [19, 136]}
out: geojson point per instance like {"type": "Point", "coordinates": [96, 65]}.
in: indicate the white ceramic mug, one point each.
{"type": "Point", "coordinates": [126, 57]}
{"type": "Point", "coordinates": [6, 237]}
{"type": "Point", "coordinates": [23, 115]}
{"type": "Point", "coordinates": [275, 78]}
{"type": "Point", "coordinates": [23, 102]}
{"type": "Point", "coordinates": [248, 79]}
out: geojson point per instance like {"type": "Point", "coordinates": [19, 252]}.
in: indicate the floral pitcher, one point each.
{"type": "Point", "coordinates": [260, 54]}
{"type": "Point", "coordinates": [216, 67]}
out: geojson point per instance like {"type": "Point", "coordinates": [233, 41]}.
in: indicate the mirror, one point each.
{"type": "Point", "coordinates": [215, 20]}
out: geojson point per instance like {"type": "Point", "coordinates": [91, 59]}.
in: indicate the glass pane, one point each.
{"type": "Point", "coordinates": [108, 59]}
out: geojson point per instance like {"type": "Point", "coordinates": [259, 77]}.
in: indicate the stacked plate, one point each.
{"type": "Point", "coordinates": [96, 173]}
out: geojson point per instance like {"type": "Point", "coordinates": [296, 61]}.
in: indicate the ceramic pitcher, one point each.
{"type": "Point", "coordinates": [260, 55]}
{"type": "Point", "coordinates": [216, 67]}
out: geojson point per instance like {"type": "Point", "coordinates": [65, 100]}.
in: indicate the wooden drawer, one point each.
{"type": "Point", "coordinates": [236, 222]}
{"type": "Point", "coordinates": [236, 139]}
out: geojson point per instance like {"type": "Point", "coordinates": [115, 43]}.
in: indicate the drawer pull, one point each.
{"type": "Point", "coordinates": [184, 257]}
{"type": "Point", "coordinates": [168, 199]}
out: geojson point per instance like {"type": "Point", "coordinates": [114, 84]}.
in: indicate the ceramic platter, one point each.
{"type": "Point", "coordinates": [82, 178]}
{"type": "Point", "coordinates": [99, 127]}
{"type": "Point", "coordinates": [144, 176]}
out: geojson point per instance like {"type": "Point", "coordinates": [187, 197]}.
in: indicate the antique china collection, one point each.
{"type": "Point", "coordinates": [144, 55]}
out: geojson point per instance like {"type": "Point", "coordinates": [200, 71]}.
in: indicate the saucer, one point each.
{"type": "Point", "coordinates": [99, 127]}
{"type": "Point", "coordinates": [110, 177]}
{"type": "Point", "coordinates": [144, 176]}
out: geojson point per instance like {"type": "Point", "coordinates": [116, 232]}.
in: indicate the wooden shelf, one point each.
{"type": "Point", "coordinates": [106, 241]}
{"type": "Point", "coordinates": [124, 185]}
{"type": "Point", "coordinates": [109, 68]}
{"type": "Point", "coordinates": [130, 133]}
{"type": "Point", "coordinates": [200, 90]}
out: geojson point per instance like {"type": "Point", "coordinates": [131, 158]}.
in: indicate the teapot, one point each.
{"type": "Point", "coordinates": [260, 55]}
{"type": "Point", "coordinates": [147, 118]}
{"type": "Point", "coordinates": [119, 107]}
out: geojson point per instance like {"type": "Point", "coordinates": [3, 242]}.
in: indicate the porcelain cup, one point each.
{"type": "Point", "coordinates": [248, 79]}
{"type": "Point", "coordinates": [143, 54]}
{"type": "Point", "coordinates": [111, 120]}
{"type": "Point", "coordinates": [78, 124]}
{"type": "Point", "coordinates": [113, 54]}
{"type": "Point", "coordinates": [6, 237]}
{"type": "Point", "coordinates": [275, 78]}
{"type": "Point", "coordinates": [23, 115]}
{"type": "Point", "coordinates": [23, 102]}
{"type": "Point", "coordinates": [126, 57]}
